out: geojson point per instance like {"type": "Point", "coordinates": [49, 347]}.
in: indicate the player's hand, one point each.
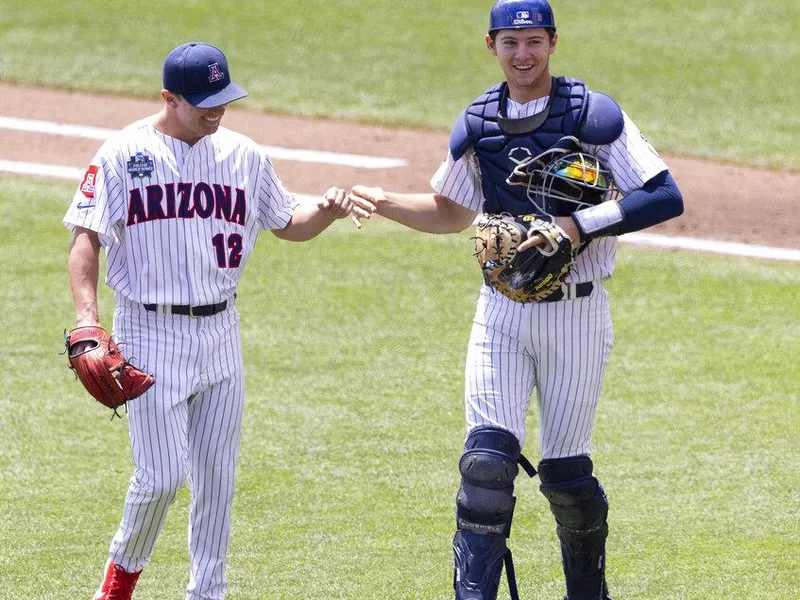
{"type": "Point", "coordinates": [338, 204]}
{"type": "Point", "coordinates": [81, 347]}
{"type": "Point", "coordinates": [569, 227]}
{"type": "Point", "coordinates": [335, 201]}
{"type": "Point", "coordinates": [365, 199]}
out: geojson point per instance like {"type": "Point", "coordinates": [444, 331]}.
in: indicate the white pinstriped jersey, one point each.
{"type": "Point", "coordinates": [630, 158]}
{"type": "Point", "coordinates": [178, 222]}
{"type": "Point", "coordinates": [559, 348]}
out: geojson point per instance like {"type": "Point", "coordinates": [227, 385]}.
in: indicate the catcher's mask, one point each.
{"type": "Point", "coordinates": [564, 179]}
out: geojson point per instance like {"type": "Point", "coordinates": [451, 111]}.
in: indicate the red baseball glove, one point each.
{"type": "Point", "coordinates": [103, 369]}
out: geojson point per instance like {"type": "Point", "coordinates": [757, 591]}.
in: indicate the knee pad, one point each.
{"type": "Point", "coordinates": [577, 500]}
{"type": "Point", "coordinates": [485, 501]}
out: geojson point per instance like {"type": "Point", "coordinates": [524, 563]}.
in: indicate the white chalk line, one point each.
{"type": "Point", "coordinates": [276, 152]}
{"type": "Point", "coordinates": [638, 238]}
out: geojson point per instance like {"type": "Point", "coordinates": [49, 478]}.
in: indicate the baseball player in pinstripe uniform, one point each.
{"type": "Point", "coordinates": [177, 202]}
{"type": "Point", "coordinates": [560, 346]}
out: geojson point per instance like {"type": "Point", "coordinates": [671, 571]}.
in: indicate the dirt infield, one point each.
{"type": "Point", "coordinates": [723, 201]}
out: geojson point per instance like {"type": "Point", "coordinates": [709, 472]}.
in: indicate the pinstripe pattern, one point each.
{"type": "Point", "coordinates": [173, 260]}
{"type": "Point", "coordinates": [181, 235]}
{"type": "Point", "coordinates": [560, 349]}
{"type": "Point", "coordinates": [630, 158]}
{"type": "Point", "coordinates": [187, 425]}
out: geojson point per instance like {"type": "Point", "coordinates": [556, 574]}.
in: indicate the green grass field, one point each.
{"type": "Point", "coordinates": [354, 419]}
{"type": "Point", "coordinates": [353, 426]}
{"type": "Point", "coordinates": [711, 79]}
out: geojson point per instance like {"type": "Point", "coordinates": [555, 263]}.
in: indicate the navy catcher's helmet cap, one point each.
{"type": "Point", "coordinates": [521, 14]}
{"type": "Point", "coordinates": [199, 72]}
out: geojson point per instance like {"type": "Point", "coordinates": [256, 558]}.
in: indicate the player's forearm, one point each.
{"type": "Point", "coordinates": [83, 266]}
{"type": "Point", "coordinates": [655, 202]}
{"type": "Point", "coordinates": [430, 213]}
{"type": "Point", "coordinates": [308, 221]}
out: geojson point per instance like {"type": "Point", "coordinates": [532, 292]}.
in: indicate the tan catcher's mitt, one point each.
{"type": "Point", "coordinates": [103, 369]}
{"type": "Point", "coordinates": [528, 276]}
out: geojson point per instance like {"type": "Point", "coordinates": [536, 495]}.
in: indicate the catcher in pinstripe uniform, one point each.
{"type": "Point", "coordinates": [536, 147]}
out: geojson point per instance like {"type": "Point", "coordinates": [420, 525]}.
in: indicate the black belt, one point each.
{"type": "Point", "coordinates": [569, 291]}
{"type": "Point", "coordinates": [205, 310]}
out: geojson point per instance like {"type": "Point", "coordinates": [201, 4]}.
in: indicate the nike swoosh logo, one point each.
{"type": "Point", "coordinates": [88, 205]}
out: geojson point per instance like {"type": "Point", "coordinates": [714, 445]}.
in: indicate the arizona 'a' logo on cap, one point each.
{"type": "Point", "coordinates": [214, 73]}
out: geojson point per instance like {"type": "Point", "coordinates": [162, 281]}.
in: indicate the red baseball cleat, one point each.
{"type": "Point", "coordinates": [117, 584]}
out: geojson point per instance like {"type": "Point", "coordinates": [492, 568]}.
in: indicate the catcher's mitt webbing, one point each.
{"type": "Point", "coordinates": [529, 276]}
{"type": "Point", "coordinates": [103, 369]}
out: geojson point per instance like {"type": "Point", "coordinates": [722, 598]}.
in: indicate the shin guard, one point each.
{"type": "Point", "coordinates": [580, 507]}
{"type": "Point", "coordinates": [485, 507]}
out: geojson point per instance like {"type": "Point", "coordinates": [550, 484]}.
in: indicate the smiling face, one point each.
{"type": "Point", "coordinates": [186, 122]}
{"type": "Point", "coordinates": [524, 57]}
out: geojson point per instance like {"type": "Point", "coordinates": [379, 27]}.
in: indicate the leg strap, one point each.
{"type": "Point", "coordinates": [511, 576]}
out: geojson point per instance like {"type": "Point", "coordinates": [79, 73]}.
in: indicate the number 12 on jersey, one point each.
{"type": "Point", "coordinates": [228, 255]}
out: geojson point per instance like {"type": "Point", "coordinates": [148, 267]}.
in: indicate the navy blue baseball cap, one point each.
{"type": "Point", "coordinates": [521, 14]}
{"type": "Point", "coordinates": [199, 72]}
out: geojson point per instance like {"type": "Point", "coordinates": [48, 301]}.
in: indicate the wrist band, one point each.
{"type": "Point", "coordinates": [604, 219]}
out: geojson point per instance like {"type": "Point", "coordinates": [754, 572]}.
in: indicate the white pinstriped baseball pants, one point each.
{"type": "Point", "coordinates": [559, 348]}
{"type": "Point", "coordinates": [188, 425]}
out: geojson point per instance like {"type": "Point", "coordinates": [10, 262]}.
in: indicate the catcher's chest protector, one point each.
{"type": "Point", "coordinates": [498, 151]}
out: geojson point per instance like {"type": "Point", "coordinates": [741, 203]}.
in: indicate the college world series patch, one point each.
{"type": "Point", "coordinates": [140, 165]}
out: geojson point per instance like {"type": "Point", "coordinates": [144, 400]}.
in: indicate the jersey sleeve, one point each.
{"type": "Point", "coordinates": [99, 201]}
{"type": "Point", "coordinates": [275, 203]}
{"type": "Point", "coordinates": [459, 180]}
{"type": "Point", "coordinates": [630, 158]}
